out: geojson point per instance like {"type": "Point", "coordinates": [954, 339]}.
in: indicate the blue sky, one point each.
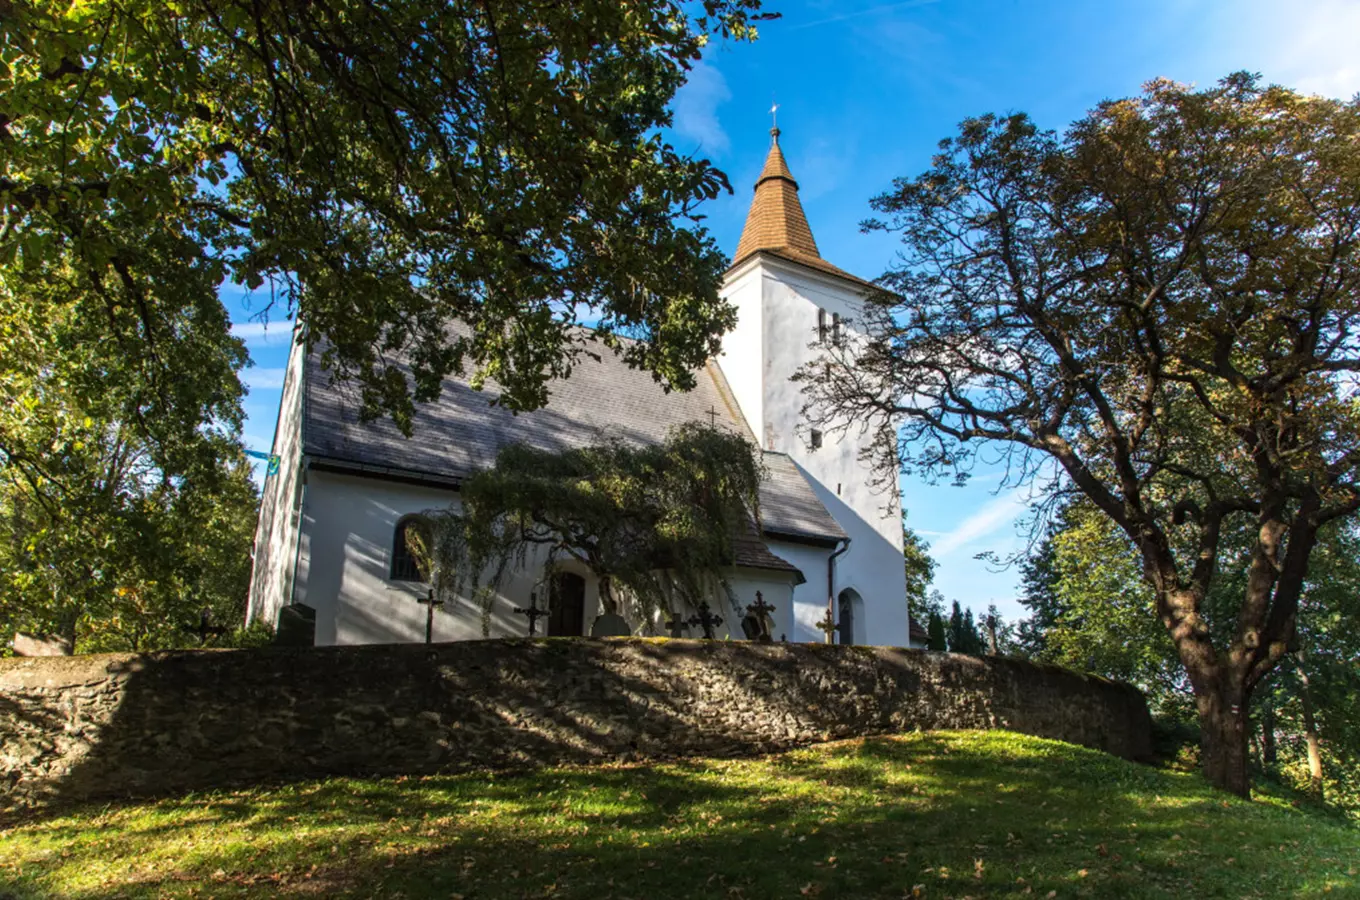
{"type": "Point", "coordinates": [866, 89]}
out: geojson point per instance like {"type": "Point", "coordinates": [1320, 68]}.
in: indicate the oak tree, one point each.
{"type": "Point", "coordinates": [1161, 303]}
{"type": "Point", "coordinates": [383, 166]}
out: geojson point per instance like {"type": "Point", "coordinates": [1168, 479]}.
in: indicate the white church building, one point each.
{"type": "Point", "coordinates": [333, 517]}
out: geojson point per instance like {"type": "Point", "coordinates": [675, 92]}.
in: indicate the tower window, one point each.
{"type": "Point", "coordinates": [821, 326]}
{"type": "Point", "coordinates": [815, 439]}
{"type": "Point", "coordinates": [836, 329]}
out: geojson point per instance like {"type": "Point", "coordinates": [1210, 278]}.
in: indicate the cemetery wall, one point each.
{"type": "Point", "coordinates": [124, 724]}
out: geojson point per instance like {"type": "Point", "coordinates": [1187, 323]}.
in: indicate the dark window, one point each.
{"type": "Point", "coordinates": [821, 326]}
{"type": "Point", "coordinates": [815, 439]}
{"type": "Point", "coordinates": [836, 329]}
{"type": "Point", "coordinates": [405, 567]}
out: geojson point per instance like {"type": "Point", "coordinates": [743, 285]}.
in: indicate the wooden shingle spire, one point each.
{"type": "Point", "coordinates": [776, 221]}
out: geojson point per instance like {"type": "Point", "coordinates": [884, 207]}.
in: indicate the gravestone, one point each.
{"type": "Point", "coordinates": [297, 626]}
{"type": "Point", "coordinates": [610, 625]}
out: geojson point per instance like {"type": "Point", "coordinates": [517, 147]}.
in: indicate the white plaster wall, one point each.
{"type": "Point", "coordinates": [348, 527]}
{"type": "Point", "coordinates": [791, 295]}
{"type": "Point", "coordinates": [276, 532]}
{"type": "Point", "coordinates": [348, 530]}
{"type": "Point", "coordinates": [741, 359]}
{"type": "Point", "coordinates": [776, 588]}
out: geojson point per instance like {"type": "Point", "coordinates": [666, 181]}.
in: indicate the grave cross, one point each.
{"type": "Point", "coordinates": [828, 626]}
{"type": "Point", "coordinates": [533, 612]}
{"type": "Point", "coordinates": [677, 626]}
{"type": "Point", "coordinates": [206, 630]}
{"type": "Point", "coordinates": [761, 610]}
{"type": "Point", "coordinates": [430, 602]}
{"type": "Point", "coordinates": [706, 620]}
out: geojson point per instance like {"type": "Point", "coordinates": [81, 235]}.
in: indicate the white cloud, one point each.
{"type": "Point", "coordinates": [696, 108]}
{"type": "Point", "coordinates": [1308, 45]}
{"type": "Point", "coordinates": [258, 378]}
{"type": "Point", "coordinates": [264, 333]}
{"type": "Point", "coordinates": [1000, 512]}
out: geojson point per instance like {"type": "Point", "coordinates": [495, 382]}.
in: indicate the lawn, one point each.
{"type": "Point", "coordinates": [949, 814]}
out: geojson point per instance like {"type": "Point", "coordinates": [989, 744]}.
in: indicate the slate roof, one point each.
{"type": "Point", "coordinates": [461, 433]}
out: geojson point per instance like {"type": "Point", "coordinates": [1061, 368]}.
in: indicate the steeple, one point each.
{"type": "Point", "coordinates": [776, 220]}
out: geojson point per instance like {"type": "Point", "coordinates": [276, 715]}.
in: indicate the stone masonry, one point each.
{"type": "Point", "coordinates": [115, 725]}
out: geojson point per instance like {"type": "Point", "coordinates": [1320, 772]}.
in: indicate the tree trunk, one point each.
{"type": "Point", "coordinates": [1224, 732]}
{"type": "Point", "coordinates": [1310, 732]}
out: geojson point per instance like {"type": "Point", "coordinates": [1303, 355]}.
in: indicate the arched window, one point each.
{"type": "Point", "coordinates": [405, 565]}
{"type": "Point", "coordinates": [850, 626]}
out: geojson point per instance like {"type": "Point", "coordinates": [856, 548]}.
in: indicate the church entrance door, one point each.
{"type": "Point", "coordinates": [567, 607]}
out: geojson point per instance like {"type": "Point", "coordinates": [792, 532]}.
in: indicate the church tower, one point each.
{"type": "Point", "coordinates": [790, 304]}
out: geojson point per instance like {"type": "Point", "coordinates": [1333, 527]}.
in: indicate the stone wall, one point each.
{"type": "Point", "coordinates": [123, 724]}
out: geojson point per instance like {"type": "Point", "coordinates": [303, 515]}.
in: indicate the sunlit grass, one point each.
{"type": "Point", "coordinates": [964, 814]}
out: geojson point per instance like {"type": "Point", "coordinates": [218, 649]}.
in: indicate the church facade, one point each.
{"type": "Point", "coordinates": [333, 518]}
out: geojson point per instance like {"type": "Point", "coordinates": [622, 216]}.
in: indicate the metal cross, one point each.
{"type": "Point", "coordinates": [532, 612]}
{"type": "Point", "coordinates": [712, 417]}
{"type": "Point", "coordinates": [430, 602]}
{"type": "Point", "coordinates": [760, 611]}
{"type": "Point", "coordinates": [706, 620]}
{"type": "Point", "coordinates": [206, 630]}
{"type": "Point", "coordinates": [677, 626]}
{"type": "Point", "coordinates": [828, 626]}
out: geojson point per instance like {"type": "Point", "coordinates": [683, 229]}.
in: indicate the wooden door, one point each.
{"type": "Point", "coordinates": [567, 607]}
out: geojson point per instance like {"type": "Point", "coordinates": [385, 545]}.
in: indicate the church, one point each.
{"type": "Point", "coordinates": [331, 539]}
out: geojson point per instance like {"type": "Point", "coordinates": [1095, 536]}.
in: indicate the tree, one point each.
{"type": "Point", "coordinates": [384, 165]}
{"type": "Point", "coordinates": [962, 634]}
{"type": "Point", "coordinates": [657, 524]}
{"type": "Point", "coordinates": [1158, 305]}
{"type": "Point", "coordinates": [920, 569]}
{"type": "Point", "coordinates": [936, 637]}
{"type": "Point", "coordinates": [126, 505]}
{"type": "Point", "coordinates": [1093, 615]}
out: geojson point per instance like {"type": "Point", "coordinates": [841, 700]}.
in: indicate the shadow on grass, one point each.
{"type": "Point", "coordinates": [963, 814]}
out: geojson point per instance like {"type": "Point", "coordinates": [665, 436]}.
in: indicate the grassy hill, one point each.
{"type": "Point", "coordinates": [961, 814]}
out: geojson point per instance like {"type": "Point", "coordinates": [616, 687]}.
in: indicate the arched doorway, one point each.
{"type": "Point", "coordinates": [567, 605]}
{"type": "Point", "coordinates": [851, 613]}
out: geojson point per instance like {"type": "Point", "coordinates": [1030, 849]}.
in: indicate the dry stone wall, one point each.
{"type": "Point", "coordinates": [123, 724]}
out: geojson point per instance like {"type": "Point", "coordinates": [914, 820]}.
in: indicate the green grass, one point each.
{"type": "Point", "coordinates": [961, 814]}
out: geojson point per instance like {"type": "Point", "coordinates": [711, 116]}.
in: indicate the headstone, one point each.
{"type": "Point", "coordinates": [34, 645]}
{"type": "Point", "coordinates": [610, 625]}
{"type": "Point", "coordinates": [297, 626]}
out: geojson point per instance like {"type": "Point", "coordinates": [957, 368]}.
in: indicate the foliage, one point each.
{"type": "Point", "coordinates": [1157, 305]}
{"type": "Point", "coordinates": [384, 166]}
{"type": "Point", "coordinates": [920, 570]}
{"type": "Point", "coordinates": [656, 522]}
{"type": "Point", "coordinates": [1093, 613]}
{"type": "Point", "coordinates": [126, 505]}
{"type": "Point", "coordinates": [962, 634]}
{"type": "Point", "coordinates": [882, 817]}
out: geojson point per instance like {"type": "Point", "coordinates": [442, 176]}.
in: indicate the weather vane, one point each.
{"type": "Point", "coordinates": [774, 115]}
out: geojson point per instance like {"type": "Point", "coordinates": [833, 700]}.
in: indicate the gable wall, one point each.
{"type": "Point", "coordinates": [276, 532]}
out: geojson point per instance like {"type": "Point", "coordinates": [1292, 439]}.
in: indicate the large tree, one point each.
{"type": "Point", "coordinates": [384, 165]}
{"type": "Point", "coordinates": [1161, 304]}
{"type": "Point", "coordinates": [126, 505]}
